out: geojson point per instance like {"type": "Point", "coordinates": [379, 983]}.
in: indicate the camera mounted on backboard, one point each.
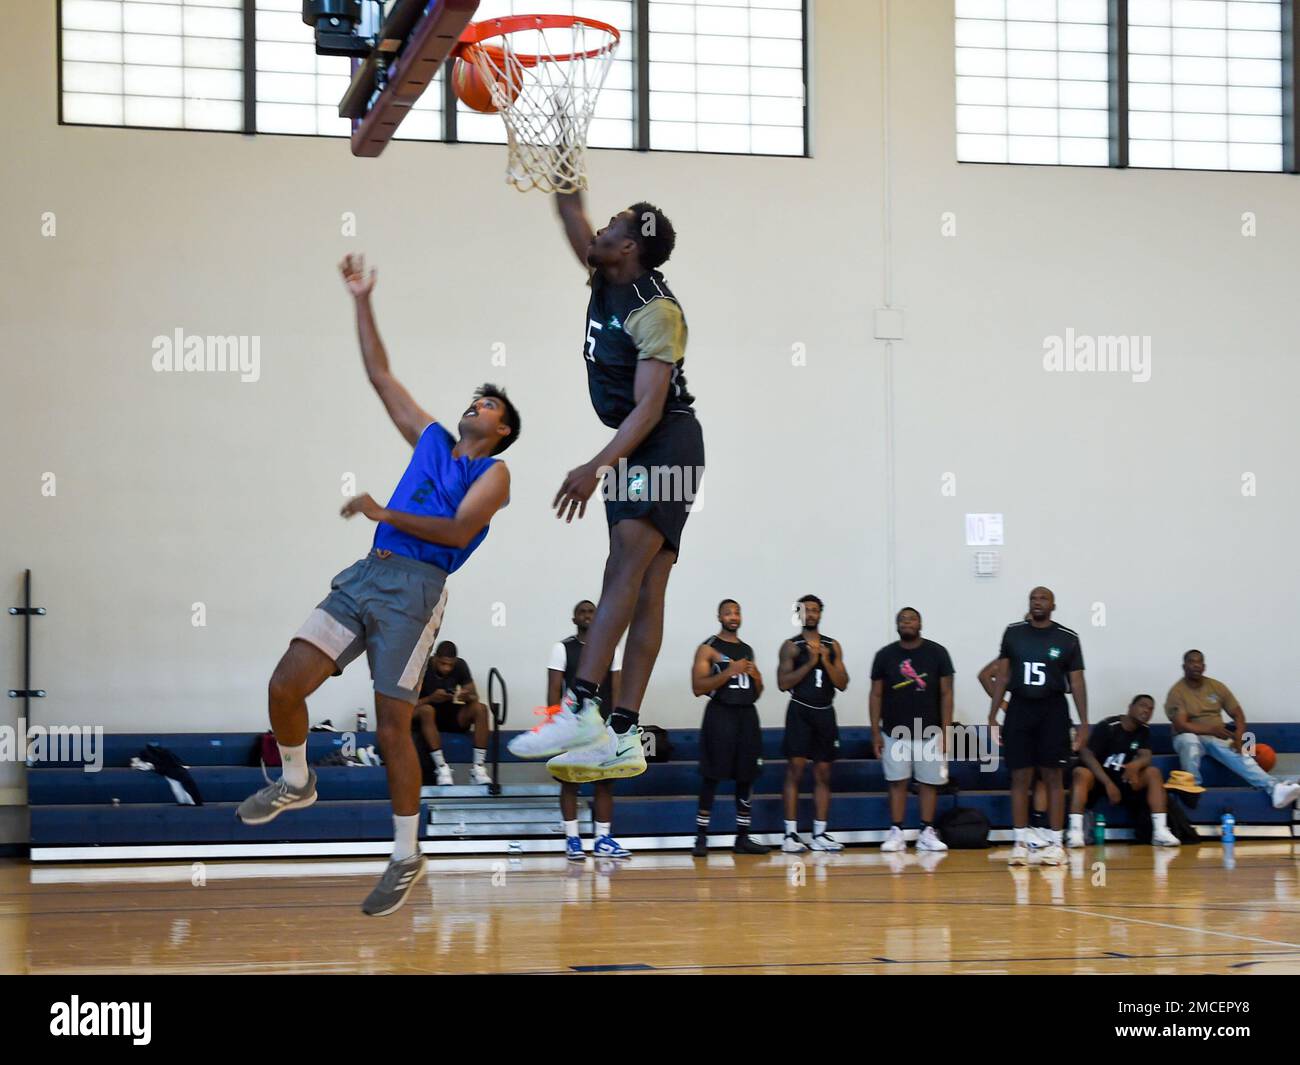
{"type": "Point", "coordinates": [344, 27]}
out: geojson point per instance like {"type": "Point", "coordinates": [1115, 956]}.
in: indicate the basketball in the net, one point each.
{"type": "Point", "coordinates": [1265, 756]}
{"type": "Point", "coordinates": [473, 89]}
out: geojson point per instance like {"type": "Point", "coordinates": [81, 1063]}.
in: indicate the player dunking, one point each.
{"type": "Point", "coordinates": [634, 344]}
{"type": "Point", "coordinates": [390, 603]}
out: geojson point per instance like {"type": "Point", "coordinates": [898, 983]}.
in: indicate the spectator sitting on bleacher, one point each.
{"type": "Point", "coordinates": [1196, 705]}
{"type": "Point", "coordinates": [449, 702]}
{"type": "Point", "coordinates": [1117, 757]}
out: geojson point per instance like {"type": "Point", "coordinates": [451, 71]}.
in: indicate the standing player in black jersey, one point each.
{"type": "Point", "coordinates": [812, 671]}
{"type": "Point", "coordinates": [634, 345]}
{"type": "Point", "coordinates": [560, 673]}
{"type": "Point", "coordinates": [731, 741]}
{"type": "Point", "coordinates": [1039, 661]}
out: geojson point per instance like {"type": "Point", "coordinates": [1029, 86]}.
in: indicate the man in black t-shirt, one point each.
{"type": "Point", "coordinates": [911, 712]}
{"type": "Point", "coordinates": [1117, 763]}
{"type": "Point", "coordinates": [449, 702]}
{"type": "Point", "coordinates": [812, 671]}
{"type": "Point", "coordinates": [731, 740]}
{"type": "Point", "coordinates": [1039, 661]}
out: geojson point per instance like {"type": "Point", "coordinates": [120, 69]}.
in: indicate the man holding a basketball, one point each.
{"type": "Point", "coordinates": [634, 346]}
{"type": "Point", "coordinates": [389, 605]}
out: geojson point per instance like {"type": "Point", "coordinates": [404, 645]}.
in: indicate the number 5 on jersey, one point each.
{"type": "Point", "coordinates": [591, 338]}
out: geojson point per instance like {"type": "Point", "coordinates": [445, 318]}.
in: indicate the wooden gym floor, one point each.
{"type": "Point", "coordinates": [1127, 910]}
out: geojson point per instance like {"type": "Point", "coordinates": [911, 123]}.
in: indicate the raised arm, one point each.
{"type": "Point", "coordinates": [409, 417]}
{"type": "Point", "coordinates": [577, 226]}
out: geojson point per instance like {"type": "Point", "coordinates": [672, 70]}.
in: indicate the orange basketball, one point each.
{"type": "Point", "coordinates": [1265, 756]}
{"type": "Point", "coordinates": [472, 89]}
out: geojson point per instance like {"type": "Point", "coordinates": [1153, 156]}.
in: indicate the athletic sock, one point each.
{"type": "Point", "coordinates": [623, 719]}
{"type": "Point", "coordinates": [819, 828]}
{"type": "Point", "coordinates": [926, 824]}
{"type": "Point", "coordinates": [744, 808]}
{"type": "Point", "coordinates": [405, 830]}
{"type": "Point", "coordinates": [1159, 821]}
{"type": "Point", "coordinates": [584, 690]}
{"type": "Point", "coordinates": [480, 755]}
{"type": "Point", "coordinates": [438, 759]}
{"type": "Point", "coordinates": [898, 825]}
{"type": "Point", "coordinates": [602, 829]}
{"type": "Point", "coordinates": [571, 829]}
{"type": "Point", "coordinates": [293, 761]}
{"type": "Point", "coordinates": [1076, 822]}
{"type": "Point", "coordinates": [1054, 836]}
{"type": "Point", "coordinates": [792, 828]}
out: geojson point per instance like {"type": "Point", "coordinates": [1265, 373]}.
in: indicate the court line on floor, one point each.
{"type": "Point", "coordinates": [1180, 928]}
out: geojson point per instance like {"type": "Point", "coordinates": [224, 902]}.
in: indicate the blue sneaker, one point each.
{"type": "Point", "coordinates": [573, 849]}
{"type": "Point", "coordinates": [609, 847]}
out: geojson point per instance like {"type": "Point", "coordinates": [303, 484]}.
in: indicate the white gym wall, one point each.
{"type": "Point", "coordinates": [177, 489]}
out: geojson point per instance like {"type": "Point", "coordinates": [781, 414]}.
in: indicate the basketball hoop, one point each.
{"type": "Point", "coordinates": [544, 73]}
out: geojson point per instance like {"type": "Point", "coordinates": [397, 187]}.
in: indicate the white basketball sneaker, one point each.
{"type": "Point", "coordinates": [1074, 839]}
{"type": "Point", "coordinates": [824, 841]}
{"type": "Point", "coordinates": [1019, 855]}
{"type": "Point", "coordinates": [894, 842]}
{"type": "Point", "coordinates": [479, 775]}
{"type": "Point", "coordinates": [1285, 793]}
{"type": "Point", "coordinates": [792, 844]}
{"type": "Point", "coordinates": [563, 728]}
{"type": "Point", "coordinates": [929, 840]}
{"type": "Point", "coordinates": [444, 777]}
{"type": "Point", "coordinates": [1052, 855]}
{"type": "Point", "coordinates": [613, 757]}
{"type": "Point", "coordinates": [1162, 837]}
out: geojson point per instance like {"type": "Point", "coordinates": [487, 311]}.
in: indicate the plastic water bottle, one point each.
{"type": "Point", "coordinates": [1228, 826]}
{"type": "Point", "coordinates": [1099, 829]}
{"type": "Point", "coordinates": [361, 720]}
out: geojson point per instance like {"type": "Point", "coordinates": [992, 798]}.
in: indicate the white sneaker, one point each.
{"type": "Point", "coordinates": [826, 842]}
{"type": "Point", "coordinates": [1074, 839]}
{"type": "Point", "coordinates": [564, 728]}
{"type": "Point", "coordinates": [1285, 793]}
{"type": "Point", "coordinates": [929, 840]}
{"type": "Point", "coordinates": [479, 775]}
{"type": "Point", "coordinates": [894, 842]}
{"type": "Point", "coordinates": [792, 844]}
{"type": "Point", "coordinates": [1052, 855]}
{"type": "Point", "coordinates": [1019, 855]}
{"type": "Point", "coordinates": [1162, 837]}
{"type": "Point", "coordinates": [613, 757]}
{"type": "Point", "coordinates": [1036, 838]}
{"type": "Point", "coordinates": [444, 776]}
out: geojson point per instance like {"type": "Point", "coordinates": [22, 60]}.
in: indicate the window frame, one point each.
{"type": "Point", "coordinates": [1118, 103]}
{"type": "Point", "coordinates": [641, 92]}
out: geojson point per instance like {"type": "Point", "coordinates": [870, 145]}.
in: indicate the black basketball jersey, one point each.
{"type": "Point", "coordinates": [815, 689]}
{"type": "Point", "coordinates": [1114, 746]}
{"type": "Point", "coordinates": [739, 691]}
{"type": "Point", "coordinates": [572, 652]}
{"type": "Point", "coordinates": [1041, 660]}
{"type": "Point", "coordinates": [611, 354]}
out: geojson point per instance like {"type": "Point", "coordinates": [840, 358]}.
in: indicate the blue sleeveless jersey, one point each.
{"type": "Point", "coordinates": [433, 486]}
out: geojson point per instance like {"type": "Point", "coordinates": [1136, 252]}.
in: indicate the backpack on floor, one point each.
{"type": "Point", "coordinates": [1179, 823]}
{"type": "Point", "coordinates": [963, 828]}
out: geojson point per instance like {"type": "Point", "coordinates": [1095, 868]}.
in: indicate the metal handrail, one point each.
{"type": "Point", "coordinates": [499, 708]}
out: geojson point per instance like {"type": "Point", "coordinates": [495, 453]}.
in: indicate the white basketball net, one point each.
{"type": "Point", "coordinates": [546, 123]}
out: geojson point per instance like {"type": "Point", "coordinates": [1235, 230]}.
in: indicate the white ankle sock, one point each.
{"type": "Point", "coordinates": [791, 828]}
{"type": "Point", "coordinates": [480, 755]}
{"type": "Point", "coordinates": [1021, 835]}
{"type": "Point", "coordinates": [1076, 822]}
{"type": "Point", "coordinates": [602, 829]}
{"type": "Point", "coordinates": [405, 830]}
{"type": "Point", "coordinates": [819, 828]}
{"type": "Point", "coordinates": [438, 759]}
{"type": "Point", "coordinates": [571, 829]}
{"type": "Point", "coordinates": [1054, 836]}
{"type": "Point", "coordinates": [1159, 821]}
{"type": "Point", "coordinates": [294, 763]}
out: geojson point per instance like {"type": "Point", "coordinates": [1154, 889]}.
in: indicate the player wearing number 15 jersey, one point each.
{"type": "Point", "coordinates": [812, 671]}
{"type": "Point", "coordinates": [1039, 662]}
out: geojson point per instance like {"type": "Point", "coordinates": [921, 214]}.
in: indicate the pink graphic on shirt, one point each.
{"type": "Point", "coordinates": [909, 671]}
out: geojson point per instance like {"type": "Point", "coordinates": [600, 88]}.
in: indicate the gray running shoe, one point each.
{"type": "Point", "coordinates": [394, 886]}
{"type": "Point", "coordinates": [278, 796]}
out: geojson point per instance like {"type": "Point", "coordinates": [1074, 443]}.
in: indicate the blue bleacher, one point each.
{"type": "Point", "coordinates": [121, 806]}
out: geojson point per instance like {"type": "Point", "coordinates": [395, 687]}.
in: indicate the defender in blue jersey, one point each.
{"type": "Point", "coordinates": [634, 348]}
{"type": "Point", "coordinates": [390, 603]}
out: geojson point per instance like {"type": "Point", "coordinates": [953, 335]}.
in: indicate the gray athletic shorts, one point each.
{"type": "Point", "coordinates": [904, 758]}
{"type": "Point", "coordinates": [389, 606]}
